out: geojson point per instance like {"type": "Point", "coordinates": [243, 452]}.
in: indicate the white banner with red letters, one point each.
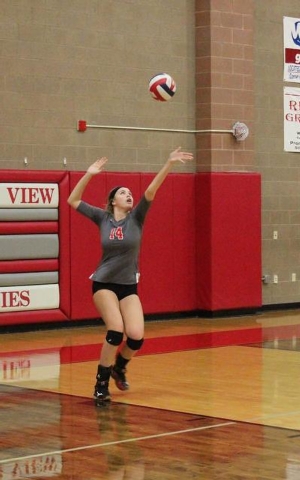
{"type": "Point", "coordinates": [291, 119]}
{"type": "Point", "coordinates": [26, 195]}
{"type": "Point", "coordinates": [29, 297]}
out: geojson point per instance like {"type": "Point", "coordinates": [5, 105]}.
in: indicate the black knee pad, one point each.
{"type": "Point", "coordinates": [114, 338]}
{"type": "Point", "coordinates": [134, 344]}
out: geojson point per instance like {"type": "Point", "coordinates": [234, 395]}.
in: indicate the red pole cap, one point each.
{"type": "Point", "coordinates": [81, 125]}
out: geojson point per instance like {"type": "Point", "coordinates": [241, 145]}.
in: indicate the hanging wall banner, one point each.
{"type": "Point", "coordinates": [291, 38]}
{"type": "Point", "coordinates": [291, 119]}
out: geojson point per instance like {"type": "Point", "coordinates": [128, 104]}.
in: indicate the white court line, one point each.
{"type": "Point", "coordinates": [107, 444]}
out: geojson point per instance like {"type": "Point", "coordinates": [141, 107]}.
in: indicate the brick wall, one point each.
{"type": "Point", "coordinates": [224, 82]}
{"type": "Point", "coordinates": [62, 61]}
{"type": "Point", "coordinates": [280, 170]}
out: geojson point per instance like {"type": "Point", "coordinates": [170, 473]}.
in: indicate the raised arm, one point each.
{"type": "Point", "coordinates": [77, 192]}
{"type": "Point", "coordinates": [176, 156]}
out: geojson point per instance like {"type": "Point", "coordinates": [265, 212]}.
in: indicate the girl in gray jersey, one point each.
{"type": "Point", "coordinates": [115, 279]}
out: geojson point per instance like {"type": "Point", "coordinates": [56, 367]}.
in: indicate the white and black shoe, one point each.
{"type": "Point", "coordinates": [101, 393]}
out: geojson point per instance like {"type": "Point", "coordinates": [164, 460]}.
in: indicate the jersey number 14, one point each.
{"type": "Point", "coordinates": [116, 233]}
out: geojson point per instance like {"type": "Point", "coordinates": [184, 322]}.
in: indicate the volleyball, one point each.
{"type": "Point", "coordinates": [162, 87]}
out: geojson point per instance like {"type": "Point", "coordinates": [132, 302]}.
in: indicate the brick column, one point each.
{"type": "Point", "coordinates": [224, 82]}
{"type": "Point", "coordinates": [228, 202]}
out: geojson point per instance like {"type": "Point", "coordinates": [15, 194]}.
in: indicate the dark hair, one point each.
{"type": "Point", "coordinates": [110, 198]}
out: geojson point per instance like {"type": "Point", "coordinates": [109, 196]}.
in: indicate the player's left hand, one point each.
{"type": "Point", "coordinates": [179, 156]}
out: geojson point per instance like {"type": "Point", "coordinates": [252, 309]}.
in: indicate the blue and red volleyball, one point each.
{"type": "Point", "coordinates": [162, 87]}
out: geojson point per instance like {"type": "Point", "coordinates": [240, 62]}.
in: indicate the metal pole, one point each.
{"type": "Point", "coordinates": [150, 129]}
{"type": "Point", "coordinates": [239, 130]}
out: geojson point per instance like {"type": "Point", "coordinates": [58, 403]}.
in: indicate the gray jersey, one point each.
{"type": "Point", "coordinates": [120, 242]}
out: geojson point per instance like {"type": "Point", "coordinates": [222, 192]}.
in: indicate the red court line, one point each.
{"type": "Point", "coordinates": [152, 346]}
{"type": "Point", "coordinates": [177, 343]}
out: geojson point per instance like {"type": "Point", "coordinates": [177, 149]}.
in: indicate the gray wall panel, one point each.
{"type": "Point", "coordinates": [28, 214]}
{"type": "Point", "coordinates": [22, 247]}
{"type": "Point", "coordinates": [31, 278]}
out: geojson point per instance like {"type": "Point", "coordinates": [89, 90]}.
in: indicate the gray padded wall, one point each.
{"type": "Point", "coordinates": [23, 247]}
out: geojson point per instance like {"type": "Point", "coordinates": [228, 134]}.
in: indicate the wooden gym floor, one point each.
{"type": "Point", "coordinates": [209, 399]}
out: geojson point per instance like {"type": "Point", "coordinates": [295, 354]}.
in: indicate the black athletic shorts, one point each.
{"type": "Point", "coordinates": [121, 291]}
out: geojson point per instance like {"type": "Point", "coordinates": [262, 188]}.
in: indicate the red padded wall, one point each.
{"type": "Point", "coordinates": [184, 247]}
{"type": "Point", "coordinates": [62, 264]}
{"type": "Point", "coordinates": [168, 266]}
{"type": "Point", "coordinates": [228, 241]}
{"type": "Point", "coordinates": [201, 246]}
{"type": "Point", "coordinates": [156, 262]}
{"type": "Point", "coordinates": [85, 249]}
{"type": "Point", "coordinates": [39, 265]}
{"type": "Point", "coordinates": [167, 260]}
{"type": "Point", "coordinates": [21, 228]}
{"type": "Point", "coordinates": [64, 246]}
